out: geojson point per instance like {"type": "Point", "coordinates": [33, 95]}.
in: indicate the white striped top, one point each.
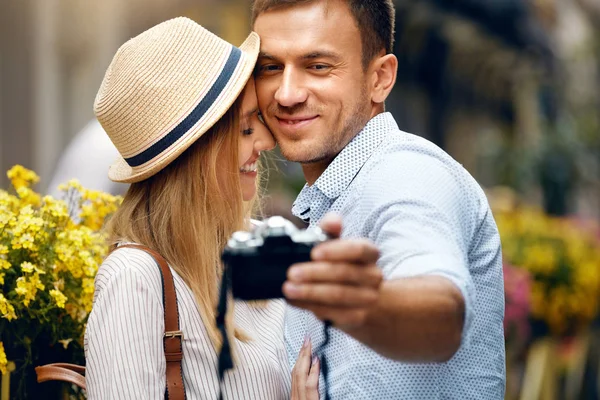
{"type": "Point", "coordinates": [124, 339]}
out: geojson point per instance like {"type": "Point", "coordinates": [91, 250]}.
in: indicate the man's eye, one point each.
{"type": "Point", "coordinates": [320, 67]}
{"type": "Point", "coordinates": [260, 117]}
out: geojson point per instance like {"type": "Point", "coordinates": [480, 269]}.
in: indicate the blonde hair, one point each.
{"type": "Point", "coordinates": [187, 212]}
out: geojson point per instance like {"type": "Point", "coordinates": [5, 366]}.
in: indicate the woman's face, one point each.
{"type": "Point", "coordinates": [255, 138]}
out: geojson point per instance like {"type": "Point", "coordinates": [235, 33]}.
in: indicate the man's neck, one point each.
{"type": "Point", "coordinates": [313, 171]}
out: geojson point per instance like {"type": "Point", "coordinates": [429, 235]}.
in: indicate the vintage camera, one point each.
{"type": "Point", "coordinates": [257, 262]}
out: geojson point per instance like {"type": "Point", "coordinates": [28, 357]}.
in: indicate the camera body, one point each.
{"type": "Point", "coordinates": [257, 262]}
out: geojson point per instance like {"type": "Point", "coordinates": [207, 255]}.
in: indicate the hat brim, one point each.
{"type": "Point", "coordinates": [122, 172]}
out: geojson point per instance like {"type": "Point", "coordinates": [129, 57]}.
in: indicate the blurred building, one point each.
{"type": "Point", "coordinates": [508, 87]}
{"type": "Point", "coordinates": [53, 55]}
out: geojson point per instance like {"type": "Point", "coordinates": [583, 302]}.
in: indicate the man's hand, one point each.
{"type": "Point", "coordinates": [342, 283]}
{"type": "Point", "coordinates": [416, 319]}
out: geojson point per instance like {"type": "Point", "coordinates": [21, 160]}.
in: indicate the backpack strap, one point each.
{"type": "Point", "coordinates": [172, 340]}
{"type": "Point", "coordinates": [173, 335]}
{"type": "Point", "coordinates": [61, 372]}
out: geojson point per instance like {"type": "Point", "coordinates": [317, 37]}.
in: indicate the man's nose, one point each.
{"type": "Point", "coordinates": [291, 91]}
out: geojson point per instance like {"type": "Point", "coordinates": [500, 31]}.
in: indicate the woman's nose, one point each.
{"type": "Point", "coordinates": [265, 140]}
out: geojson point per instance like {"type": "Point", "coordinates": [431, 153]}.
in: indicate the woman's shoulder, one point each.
{"type": "Point", "coordinates": [134, 265]}
{"type": "Point", "coordinates": [267, 310]}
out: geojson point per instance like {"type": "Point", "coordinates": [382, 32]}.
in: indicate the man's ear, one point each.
{"type": "Point", "coordinates": [384, 70]}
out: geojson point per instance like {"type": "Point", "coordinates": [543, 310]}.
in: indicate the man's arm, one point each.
{"type": "Point", "coordinates": [415, 319]}
{"type": "Point", "coordinates": [406, 319]}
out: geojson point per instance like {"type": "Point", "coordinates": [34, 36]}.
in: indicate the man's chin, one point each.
{"type": "Point", "coordinates": [303, 157]}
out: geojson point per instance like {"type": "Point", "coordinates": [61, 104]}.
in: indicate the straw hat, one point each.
{"type": "Point", "coordinates": [164, 89]}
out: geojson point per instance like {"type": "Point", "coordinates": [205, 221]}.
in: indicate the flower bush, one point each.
{"type": "Point", "coordinates": [562, 258]}
{"type": "Point", "coordinates": [517, 290]}
{"type": "Point", "coordinates": [50, 250]}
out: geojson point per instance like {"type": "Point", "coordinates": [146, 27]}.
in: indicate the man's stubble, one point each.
{"type": "Point", "coordinates": [328, 149]}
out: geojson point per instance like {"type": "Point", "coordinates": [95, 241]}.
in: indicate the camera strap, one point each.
{"type": "Point", "coordinates": [320, 352]}
{"type": "Point", "coordinates": [225, 360]}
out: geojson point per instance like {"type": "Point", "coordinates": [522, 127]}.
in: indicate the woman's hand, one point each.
{"type": "Point", "coordinates": [305, 375]}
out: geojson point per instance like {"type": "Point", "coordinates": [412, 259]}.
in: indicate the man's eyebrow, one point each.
{"type": "Point", "coordinates": [321, 54]}
{"type": "Point", "coordinates": [308, 56]}
{"type": "Point", "coordinates": [268, 56]}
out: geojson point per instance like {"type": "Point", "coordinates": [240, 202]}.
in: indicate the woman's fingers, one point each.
{"type": "Point", "coordinates": [305, 375]}
{"type": "Point", "coordinates": [302, 366]}
{"type": "Point", "coordinates": [312, 382]}
{"type": "Point", "coordinates": [301, 371]}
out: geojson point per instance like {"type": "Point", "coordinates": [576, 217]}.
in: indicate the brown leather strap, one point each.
{"type": "Point", "coordinates": [173, 335]}
{"type": "Point", "coordinates": [172, 340]}
{"type": "Point", "coordinates": [61, 372]}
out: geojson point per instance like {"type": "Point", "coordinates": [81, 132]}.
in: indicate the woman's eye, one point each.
{"type": "Point", "coordinates": [247, 132]}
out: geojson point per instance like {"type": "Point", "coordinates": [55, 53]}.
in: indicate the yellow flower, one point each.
{"type": "Point", "coordinates": [87, 296]}
{"type": "Point", "coordinates": [59, 284]}
{"type": "Point", "coordinates": [28, 288]}
{"type": "Point", "coordinates": [3, 360]}
{"type": "Point", "coordinates": [6, 217]}
{"type": "Point", "coordinates": [49, 256]}
{"type": "Point", "coordinates": [28, 196]}
{"type": "Point", "coordinates": [4, 264]}
{"type": "Point", "coordinates": [22, 177]}
{"type": "Point", "coordinates": [6, 309]}
{"type": "Point", "coordinates": [25, 241]}
{"type": "Point", "coordinates": [58, 297]}
{"type": "Point", "coordinates": [72, 184]}
{"type": "Point", "coordinates": [57, 209]}
{"type": "Point", "coordinates": [27, 229]}
{"type": "Point", "coordinates": [87, 284]}
{"type": "Point", "coordinates": [22, 287]}
{"type": "Point", "coordinates": [9, 204]}
{"type": "Point", "coordinates": [540, 258]}
{"type": "Point", "coordinates": [29, 268]}
{"type": "Point", "coordinates": [96, 207]}
{"type": "Point", "coordinates": [538, 300]}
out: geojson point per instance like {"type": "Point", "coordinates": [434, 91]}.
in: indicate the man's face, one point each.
{"type": "Point", "coordinates": [311, 87]}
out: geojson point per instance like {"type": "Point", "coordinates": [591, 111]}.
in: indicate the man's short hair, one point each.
{"type": "Point", "coordinates": [375, 20]}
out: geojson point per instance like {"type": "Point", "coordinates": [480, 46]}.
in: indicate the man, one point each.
{"type": "Point", "coordinates": [433, 328]}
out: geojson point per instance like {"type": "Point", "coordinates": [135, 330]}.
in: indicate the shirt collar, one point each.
{"type": "Point", "coordinates": [344, 168]}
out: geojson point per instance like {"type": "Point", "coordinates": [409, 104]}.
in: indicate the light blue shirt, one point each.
{"type": "Point", "coordinates": [427, 216]}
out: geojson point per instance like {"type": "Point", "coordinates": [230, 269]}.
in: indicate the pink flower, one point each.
{"type": "Point", "coordinates": [517, 284]}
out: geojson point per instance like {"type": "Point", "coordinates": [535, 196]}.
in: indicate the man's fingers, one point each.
{"type": "Point", "coordinates": [332, 225]}
{"type": "Point", "coordinates": [355, 251]}
{"type": "Point", "coordinates": [340, 317]}
{"type": "Point", "coordinates": [330, 295]}
{"type": "Point", "coordinates": [335, 272]}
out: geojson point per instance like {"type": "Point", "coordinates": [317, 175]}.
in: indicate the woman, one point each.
{"type": "Point", "coordinates": [180, 106]}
